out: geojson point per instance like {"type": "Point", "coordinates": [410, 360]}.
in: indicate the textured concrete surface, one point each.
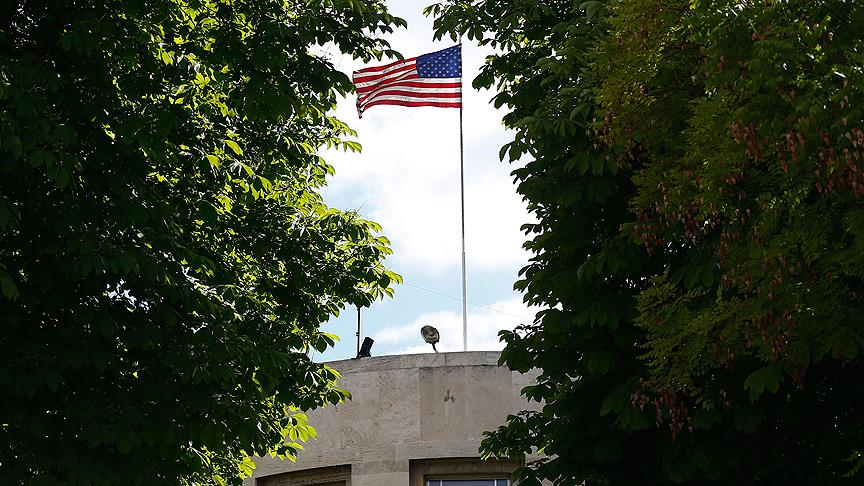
{"type": "Point", "coordinates": [405, 410]}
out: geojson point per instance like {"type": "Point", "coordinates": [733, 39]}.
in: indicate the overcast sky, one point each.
{"type": "Point", "coordinates": [407, 179]}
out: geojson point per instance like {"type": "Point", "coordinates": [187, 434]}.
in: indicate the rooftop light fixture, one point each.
{"type": "Point", "coordinates": [430, 335]}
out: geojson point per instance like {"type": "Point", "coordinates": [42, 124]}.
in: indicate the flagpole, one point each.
{"type": "Point", "coordinates": [368, 82]}
{"type": "Point", "coordinates": [462, 193]}
{"type": "Point", "coordinates": [358, 330]}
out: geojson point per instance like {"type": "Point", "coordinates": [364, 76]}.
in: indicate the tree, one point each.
{"type": "Point", "coordinates": [165, 257]}
{"type": "Point", "coordinates": [695, 168]}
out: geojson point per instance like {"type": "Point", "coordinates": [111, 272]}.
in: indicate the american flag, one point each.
{"type": "Point", "coordinates": [433, 79]}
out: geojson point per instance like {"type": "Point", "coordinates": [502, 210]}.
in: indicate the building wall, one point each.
{"type": "Point", "coordinates": [408, 412]}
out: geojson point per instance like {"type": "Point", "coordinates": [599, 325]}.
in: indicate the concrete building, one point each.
{"type": "Point", "coordinates": [414, 420]}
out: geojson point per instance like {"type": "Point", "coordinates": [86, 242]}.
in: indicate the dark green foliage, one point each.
{"type": "Point", "coordinates": [586, 270]}
{"type": "Point", "coordinates": [697, 170]}
{"type": "Point", "coordinates": [165, 258]}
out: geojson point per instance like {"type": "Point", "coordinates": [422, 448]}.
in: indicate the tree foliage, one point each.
{"type": "Point", "coordinates": [165, 257]}
{"type": "Point", "coordinates": [696, 170]}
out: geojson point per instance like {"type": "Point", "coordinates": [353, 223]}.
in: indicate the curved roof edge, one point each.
{"type": "Point", "coordinates": [424, 360]}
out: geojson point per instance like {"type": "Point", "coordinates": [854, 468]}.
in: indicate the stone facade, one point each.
{"type": "Point", "coordinates": [411, 416]}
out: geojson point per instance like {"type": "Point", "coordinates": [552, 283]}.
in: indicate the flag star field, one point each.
{"type": "Point", "coordinates": [442, 64]}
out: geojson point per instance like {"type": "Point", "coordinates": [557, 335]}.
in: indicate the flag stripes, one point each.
{"type": "Point", "coordinates": [433, 79]}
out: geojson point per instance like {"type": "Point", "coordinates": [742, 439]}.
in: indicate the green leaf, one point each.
{"type": "Point", "coordinates": [691, 274]}
{"type": "Point", "coordinates": [706, 419]}
{"type": "Point", "coordinates": [615, 401]}
{"type": "Point", "coordinates": [214, 161]}
{"type": "Point", "coordinates": [234, 146]}
{"type": "Point", "coordinates": [768, 377]}
{"type": "Point", "coordinates": [599, 361]}
{"type": "Point", "coordinates": [706, 275]}
{"type": "Point", "coordinates": [13, 142]}
{"type": "Point", "coordinates": [591, 8]}
{"type": "Point", "coordinates": [62, 177]}
{"type": "Point", "coordinates": [7, 285]}
{"type": "Point", "coordinates": [208, 212]}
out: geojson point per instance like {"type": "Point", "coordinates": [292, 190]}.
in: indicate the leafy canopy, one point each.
{"type": "Point", "coordinates": [165, 257]}
{"type": "Point", "coordinates": [696, 171]}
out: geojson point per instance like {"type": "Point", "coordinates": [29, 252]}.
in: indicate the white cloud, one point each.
{"type": "Point", "coordinates": [407, 179]}
{"type": "Point", "coordinates": [483, 327]}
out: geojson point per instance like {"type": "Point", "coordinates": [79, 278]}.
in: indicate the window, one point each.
{"type": "Point", "coordinates": [467, 482]}
{"type": "Point", "coordinates": [322, 476]}
{"type": "Point", "coordinates": [460, 471]}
